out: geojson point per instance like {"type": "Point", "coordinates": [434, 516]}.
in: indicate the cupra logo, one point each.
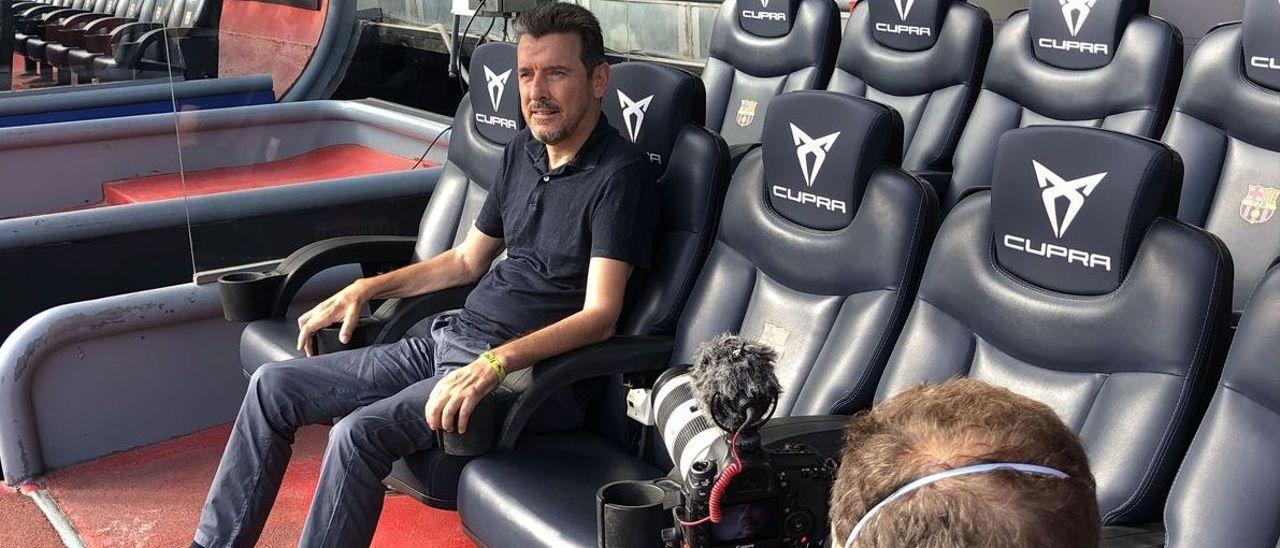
{"type": "Point", "coordinates": [809, 148]}
{"type": "Point", "coordinates": [497, 84]}
{"type": "Point", "coordinates": [904, 9]}
{"type": "Point", "coordinates": [1055, 187]}
{"type": "Point", "coordinates": [1076, 12]}
{"type": "Point", "coordinates": [633, 113]}
{"type": "Point", "coordinates": [1075, 191]}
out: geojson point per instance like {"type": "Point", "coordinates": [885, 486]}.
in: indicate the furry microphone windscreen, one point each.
{"type": "Point", "coordinates": [730, 375]}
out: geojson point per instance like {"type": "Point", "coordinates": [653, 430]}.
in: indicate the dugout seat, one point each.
{"type": "Point", "coordinates": [1070, 282]}
{"type": "Point", "coordinates": [1226, 126]}
{"type": "Point", "coordinates": [760, 49]}
{"type": "Point", "coordinates": [926, 63]}
{"type": "Point", "coordinates": [1106, 65]}
{"type": "Point", "coordinates": [818, 251]}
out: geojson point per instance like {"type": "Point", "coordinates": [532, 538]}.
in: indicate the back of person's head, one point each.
{"type": "Point", "coordinates": [962, 423]}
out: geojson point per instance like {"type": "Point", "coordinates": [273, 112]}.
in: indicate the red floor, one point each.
{"type": "Point", "coordinates": [330, 162]}
{"type": "Point", "coordinates": [22, 523]}
{"type": "Point", "coordinates": [152, 497]}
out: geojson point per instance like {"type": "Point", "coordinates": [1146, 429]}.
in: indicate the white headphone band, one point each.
{"type": "Point", "coordinates": [932, 478]}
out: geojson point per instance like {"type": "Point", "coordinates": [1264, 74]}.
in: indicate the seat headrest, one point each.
{"type": "Point", "coordinates": [907, 25]}
{"type": "Point", "coordinates": [1262, 42]}
{"type": "Point", "coordinates": [819, 149]}
{"type": "Point", "coordinates": [767, 18]}
{"type": "Point", "coordinates": [1071, 205]}
{"type": "Point", "coordinates": [495, 92]}
{"type": "Point", "coordinates": [1079, 34]}
{"type": "Point", "coordinates": [650, 104]}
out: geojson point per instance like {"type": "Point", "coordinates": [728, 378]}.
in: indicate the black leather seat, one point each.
{"type": "Point", "coordinates": [1070, 283]}
{"type": "Point", "coordinates": [660, 109]}
{"type": "Point", "coordinates": [102, 37]}
{"type": "Point", "coordinates": [136, 42]}
{"type": "Point", "coordinates": [1227, 492]}
{"type": "Point", "coordinates": [760, 49]}
{"type": "Point", "coordinates": [926, 63]}
{"type": "Point", "coordinates": [480, 132]}
{"type": "Point", "coordinates": [818, 251]}
{"type": "Point", "coordinates": [1226, 126]}
{"type": "Point", "coordinates": [1118, 70]}
{"type": "Point", "coordinates": [69, 32]}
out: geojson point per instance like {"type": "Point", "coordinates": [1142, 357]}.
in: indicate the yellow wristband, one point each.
{"type": "Point", "coordinates": [495, 363]}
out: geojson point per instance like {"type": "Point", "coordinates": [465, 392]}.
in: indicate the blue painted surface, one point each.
{"type": "Point", "coordinates": [261, 97]}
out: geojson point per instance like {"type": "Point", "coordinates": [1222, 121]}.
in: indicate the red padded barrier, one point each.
{"type": "Point", "coordinates": [331, 162]}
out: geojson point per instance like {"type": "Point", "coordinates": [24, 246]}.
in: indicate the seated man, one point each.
{"type": "Point", "coordinates": [576, 210]}
{"type": "Point", "coordinates": [963, 464]}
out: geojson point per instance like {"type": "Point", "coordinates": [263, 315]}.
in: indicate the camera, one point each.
{"type": "Point", "coordinates": [726, 488]}
{"type": "Point", "coordinates": [779, 497]}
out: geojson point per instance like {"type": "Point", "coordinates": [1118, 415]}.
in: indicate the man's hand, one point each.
{"type": "Point", "coordinates": [458, 394]}
{"type": "Point", "coordinates": [344, 306]}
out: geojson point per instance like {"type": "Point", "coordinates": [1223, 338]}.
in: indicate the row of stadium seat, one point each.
{"type": "Point", "coordinates": [1106, 65]}
{"type": "Point", "coordinates": [108, 40]}
{"type": "Point", "coordinates": [1068, 280]}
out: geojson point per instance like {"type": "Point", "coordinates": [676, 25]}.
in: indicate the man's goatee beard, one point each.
{"type": "Point", "coordinates": [559, 134]}
{"type": "Point", "coordinates": [554, 137]}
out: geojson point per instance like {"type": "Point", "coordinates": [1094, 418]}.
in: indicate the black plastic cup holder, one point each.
{"type": "Point", "coordinates": [631, 514]}
{"type": "Point", "coordinates": [248, 296]}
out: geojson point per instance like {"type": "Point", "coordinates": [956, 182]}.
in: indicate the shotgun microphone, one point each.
{"type": "Point", "coordinates": [729, 387]}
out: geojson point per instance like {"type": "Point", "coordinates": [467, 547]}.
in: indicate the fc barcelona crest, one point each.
{"type": "Point", "coordinates": [746, 113]}
{"type": "Point", "coordinates": [1259, 204]}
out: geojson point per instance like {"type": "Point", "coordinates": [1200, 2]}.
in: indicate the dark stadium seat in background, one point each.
{"type": "Point", "coordinates": [1118, 70]}
{"type": "Point", "coordinates": [926, 63]}
{"type": "Point", "coordinates": [1227, 492]}
{"type": "Point", "coordinates": [1226, 126]}
{"type": "Point", "coordinates": [1070, 282]}
{"type": "Point", "coordinates": [760, 49]}
{"type": "Point", "coordinates": [826, 283]}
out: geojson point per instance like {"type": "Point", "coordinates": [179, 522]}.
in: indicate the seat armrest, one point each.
{"type": "Point", "coordinates": [313, 258]}
{"type": "Point", "coordinates": [124, 41]}
{"type": "Point", "coordinates": [252, 294]}
{"type": "Point", "coordinates": [939, 180]}
{"type": "Point", "coordinates": [392, 319]}
{"type": "Point", "coordinates": [396, 316]}
{"type": "Point", "coordinates": [98, 35]}
{"type": "Point", "coordinates": [106, 24]}
{"type": "Point", "coordinates": [527, 392]}
{"type": "Point", "coordinates": [196, 56]}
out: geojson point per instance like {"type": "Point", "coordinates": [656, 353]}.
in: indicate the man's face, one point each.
{"type": "Point", "coordinates": [556, 90]}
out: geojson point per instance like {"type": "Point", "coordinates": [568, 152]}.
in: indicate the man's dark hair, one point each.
{"type": "Point", "coordinates": [963, 422]}
{"type": "Point", "coordinates": [559, 17]}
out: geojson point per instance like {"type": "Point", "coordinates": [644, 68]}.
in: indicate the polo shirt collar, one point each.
{"type": "Point", "coordinates": [586, 158]}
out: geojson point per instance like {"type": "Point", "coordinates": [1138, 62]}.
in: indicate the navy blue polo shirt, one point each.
{"type": "Point", "coordinates": [602, 203]}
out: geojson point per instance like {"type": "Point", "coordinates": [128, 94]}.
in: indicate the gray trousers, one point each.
{"type": "Point", "coordinates": [380, 393]}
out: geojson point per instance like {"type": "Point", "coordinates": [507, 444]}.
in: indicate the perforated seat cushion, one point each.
{"type": "Point", "coordinates": [529, 497]}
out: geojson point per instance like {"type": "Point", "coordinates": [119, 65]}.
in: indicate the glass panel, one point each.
{"type": "Point", "coordinates": [80, 122]}
{"type": "Point", "coordinates": [277, 164]}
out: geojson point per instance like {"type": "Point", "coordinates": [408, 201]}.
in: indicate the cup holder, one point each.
{"type": "Point", "coordinates": [248, 296]}
{"type": "Point", "coordinates": [631, 514]}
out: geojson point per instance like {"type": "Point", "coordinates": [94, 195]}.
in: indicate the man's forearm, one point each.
{"type": "Point", "coordinates": [578, 330]}
{"type": "Point", "coordinates": [440, 272]}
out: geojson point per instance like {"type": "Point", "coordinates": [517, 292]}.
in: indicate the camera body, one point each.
{"type": "Point", "coordinates": [779, 498]}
